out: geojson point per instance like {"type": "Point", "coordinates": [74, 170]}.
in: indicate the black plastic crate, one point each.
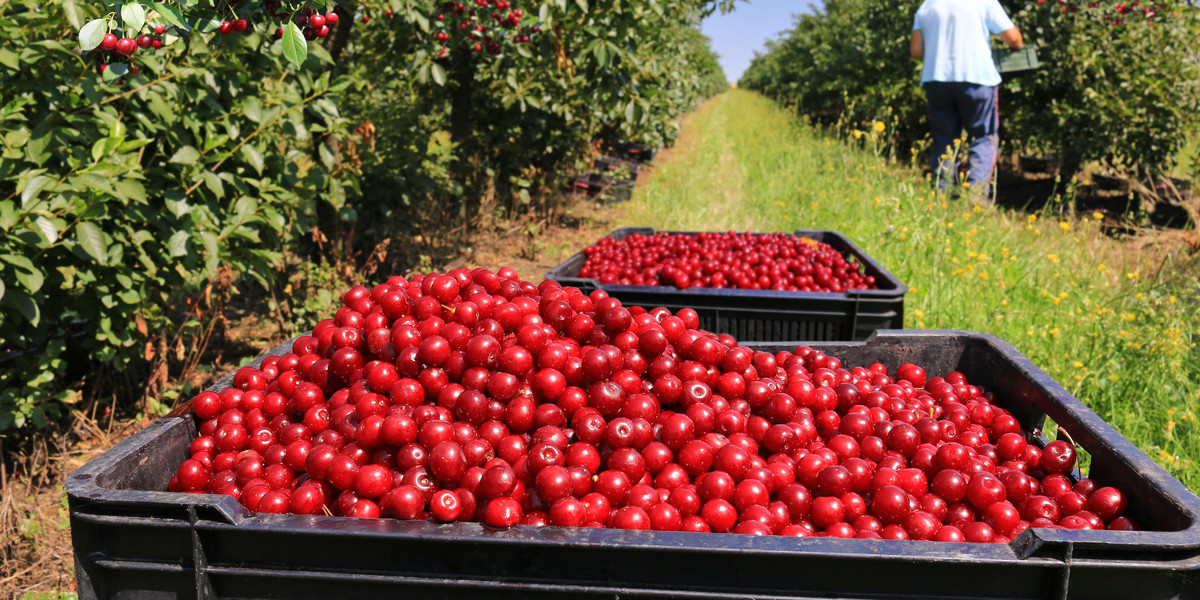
{"type": "Point", "coordinates": [605, 189]}
{"type": "Point", "coordinates": [766, 315]}
{"type": "Point", "coordinates": [616, 192]}
{"type": "Point", "coordinates": [133, 540]}
{"type": "Point", "coordinates": [608, 164]}
{"type": "Point", "coordinates": [636, 151]}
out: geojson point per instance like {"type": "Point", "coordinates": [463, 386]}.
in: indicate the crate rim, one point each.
{"type": "Point", "coordinates": [81, 486]}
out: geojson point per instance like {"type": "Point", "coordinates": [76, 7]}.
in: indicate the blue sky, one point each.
{"type": "Point", "coordinates": [738, 34]}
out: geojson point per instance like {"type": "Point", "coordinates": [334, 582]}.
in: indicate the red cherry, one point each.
{"type": "Point", "coordinates": [125, 47]}
{"type": "Point", "coordinates": [1058, 457]}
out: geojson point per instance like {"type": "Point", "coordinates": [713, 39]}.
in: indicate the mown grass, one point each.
{"type": "Point", "coordinates": [1116, 322]}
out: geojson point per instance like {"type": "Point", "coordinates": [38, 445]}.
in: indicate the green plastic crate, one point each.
{"type": "Point", "coordinates": [1016, 61]}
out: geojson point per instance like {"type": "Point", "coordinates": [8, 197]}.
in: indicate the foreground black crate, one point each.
{"type": "Point", "coordinates": [133, 541]}
{"type": "Point", "coordinates": [766, 315]}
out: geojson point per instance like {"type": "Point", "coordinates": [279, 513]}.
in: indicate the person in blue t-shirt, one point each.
{"type": "Point", "coordinates": [953, 38]}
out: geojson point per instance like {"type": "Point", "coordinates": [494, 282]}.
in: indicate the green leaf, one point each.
{"type": "Point", "coordinates": [39, 141]}
{"type": "Point", "coordinates": [252, 156]}
{"type": "Point", "coordinates": [130, 189]}
{"type": "Point", "coordinates": [582, 4]}
{"type": "Point", "coordinates": [91, 239]}
{"type": "Point", "coordinates": [601, 51]}
{"type": "Point", "coordinates": [1, 289]}
{"type": "Point", "coordinates": [212, 251]}
{"type": "Point", "coordinates": [244, 207]}
{"type": "Point", "coordinates": [101, 148]}
{"type": "Point", "coordinates": [19, 261]}
{"type": "Point", "coordinates": [10, 59]}
{"type": "Point", "coordinates": [252, 108]}
{"type": "Point", "coordinates": [115, 71]}
{"type": "Point", "coordinates": [91, 34]}
{"type": "Point", "coordinates": [186, 155]}
{"type": "Point", "coordinates": [170, 13]}
{"type": "Point", "coordinates": [134, 16]}
{"type": "Point", "coordinates": [32, 280]}
{"type": "Point", "coordinates": [73, 13]}
{"type": "Point", "coordinates": [49, 231]}
{"type": "Point", "coordinates": [327, 157]}
{"type": "Point", "coordinates": [177, 205]}
{"type": "Point", "coordinates": [24, 304]}
{"type": "Point", "coordinates": [178, 245]}
{"type": "Point", "coordinates": [295, 48]}
{"type": "Point", "coordinates": [422, 21]}
{"type": "Point", "coordinates": [34, 186]}
{"type": "Point", "coordinates": [213, 182]}
{"type": "Point", "coordinates": [439, 73]}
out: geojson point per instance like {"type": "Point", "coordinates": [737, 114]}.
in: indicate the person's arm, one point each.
{"type": "Point", "coordinates": [1012, 38]}
{"type": "Point", "coordinates": [917, 47]}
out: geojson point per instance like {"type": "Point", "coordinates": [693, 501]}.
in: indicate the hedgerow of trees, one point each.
{"type": "Point", "coordinates": [1119, 81]}
{"type": "Point", "coordinates": [138, 188]}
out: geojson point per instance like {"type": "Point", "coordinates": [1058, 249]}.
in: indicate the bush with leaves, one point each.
{"type": "Point", "coordinates": [120, 202]}
{"type": "Point", "coordinates": [511, 125]}
{"type": "Point", "coordinates": [133, 196]}
{"type": "Point", "coordinates": [1118, 82]}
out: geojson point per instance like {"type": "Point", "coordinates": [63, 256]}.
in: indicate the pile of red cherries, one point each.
{"type": "Point", "coordinates": [751, 261]}
{"type": "Point", "coordinates": [475, 396]}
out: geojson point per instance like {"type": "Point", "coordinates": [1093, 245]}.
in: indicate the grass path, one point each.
{"type": "Point", "coordinates": [1116, 322]}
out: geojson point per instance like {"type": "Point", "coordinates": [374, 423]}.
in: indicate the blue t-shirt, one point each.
{"type": "Point", "coordinates": [957, 36]}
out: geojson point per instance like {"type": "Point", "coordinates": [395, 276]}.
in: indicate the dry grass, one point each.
{"type": "Point", "coordinates": [35, 539]}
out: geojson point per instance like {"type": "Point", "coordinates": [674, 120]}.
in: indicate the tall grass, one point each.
{"type": "Point", "coordinates": [1116, 322]}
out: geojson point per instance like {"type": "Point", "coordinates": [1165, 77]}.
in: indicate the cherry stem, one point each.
{"type": "Point", "coordinates": [1063, 432]}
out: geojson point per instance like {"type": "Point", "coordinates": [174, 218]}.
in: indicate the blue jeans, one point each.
{"type": "Point", "coordinates": [954, 106]}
